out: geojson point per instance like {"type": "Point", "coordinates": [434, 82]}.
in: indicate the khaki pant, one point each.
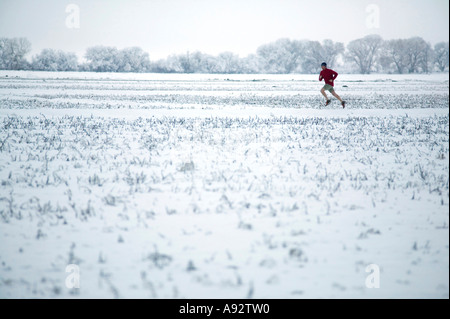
{"type": "Point", "coordinates": [328, 87]}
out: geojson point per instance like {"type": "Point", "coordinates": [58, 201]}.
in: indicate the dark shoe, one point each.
{"type": "Point", "coordinates": [343, 104]}
{"type": "Point", "coordinates": [327, 102]}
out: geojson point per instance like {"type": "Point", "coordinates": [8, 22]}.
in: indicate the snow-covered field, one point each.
{"type": "Point", "coordinates": [223, 186]}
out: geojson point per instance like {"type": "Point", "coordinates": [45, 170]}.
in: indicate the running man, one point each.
{"type": "Point", "coordinates": [329, 76]}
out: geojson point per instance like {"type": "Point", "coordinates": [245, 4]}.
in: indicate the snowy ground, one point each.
{"type": "Point", "coordinates": [223, 186]}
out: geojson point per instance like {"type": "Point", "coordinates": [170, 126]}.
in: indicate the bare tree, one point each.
{"type": "Point", "coordinates": [364, 52]}
{"type": "Point", "coordinates": [441, 56]}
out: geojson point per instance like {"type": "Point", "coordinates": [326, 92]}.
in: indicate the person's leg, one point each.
{"type": "Point", "coordinates": [323, 93]}
{"type": "Point", "coordinates": [336, 96]}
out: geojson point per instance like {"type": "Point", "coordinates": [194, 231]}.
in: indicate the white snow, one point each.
{"type": "Point", "coordinates": [218, 186]}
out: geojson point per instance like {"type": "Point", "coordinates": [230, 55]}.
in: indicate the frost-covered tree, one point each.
{"type": "Point", "coordinates": [202, 63]}
{"type": "Point", "coordinates": [185, 61]}
{"type": "Point", "coordinates": [417, 55]}
{"type": "Point", "coordinates": [196, 62]}
{"type": "Point", "coordinates": [67, 61]}
{"type": "Point", "coordinates": [228, 63]}
{"type": "Point", "coordinates": [411, 55]}
{"type": "Point", "coordinates": [51, 60]}
{"type": "Point", "coordinates": [393, 55]}
{"type": "Point", "coordinates": [282, 56]}
{"type": "Point", "coordinates": [250, 64]}
{"type": "Point", "coordinates": [210, 64]}
{"type": "Point", "coordinates": [162, 66]}
{"type": "Point", "coordinates": [173, 64]}
{"type": "Point", "coordinates": [441, 56]}
{"type": "Point", "coordinates": [47, 60]}
{"type": "Point", "coordinates": [314, 56]}
{"type": "Point", "coordinates": [331, 51]}
{"type": "Point", "coordinates": [364, 52]}
{"type": "Point", "coordinates": [13, 52]}
{"type": "Point", "coordinates": [316, 53]}
{"type": "Point", "coordinates": [133, 59]}
{"type": "Point", "coordinates": [426, 63]}
{"type": "Point", "coordinates": [103, 59]}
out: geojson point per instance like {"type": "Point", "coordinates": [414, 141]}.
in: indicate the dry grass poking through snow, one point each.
{"type": "Point", "coordinates": [174, 207]}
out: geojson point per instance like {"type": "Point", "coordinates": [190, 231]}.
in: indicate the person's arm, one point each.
{"type": "Point", "coordinates": [335, 74]}
{"type": "Point", "coordinates": [320, 76]}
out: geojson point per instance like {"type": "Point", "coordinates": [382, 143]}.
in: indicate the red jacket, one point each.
{"type": "Point", "coordinates": [328, 75]}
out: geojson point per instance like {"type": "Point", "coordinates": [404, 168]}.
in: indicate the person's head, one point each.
{"type": "Point", "coordinates": [323, 65]}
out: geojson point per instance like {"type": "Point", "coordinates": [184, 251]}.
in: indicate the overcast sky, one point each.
{"type": "Point", "coordinates": [163, 27]}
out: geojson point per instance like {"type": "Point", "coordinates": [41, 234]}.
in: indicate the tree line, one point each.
{"type": "Point", "coordinates": [365, 55]}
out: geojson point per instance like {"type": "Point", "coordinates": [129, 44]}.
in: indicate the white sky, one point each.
{"type": "Point", "coordinates": [163, 27]}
